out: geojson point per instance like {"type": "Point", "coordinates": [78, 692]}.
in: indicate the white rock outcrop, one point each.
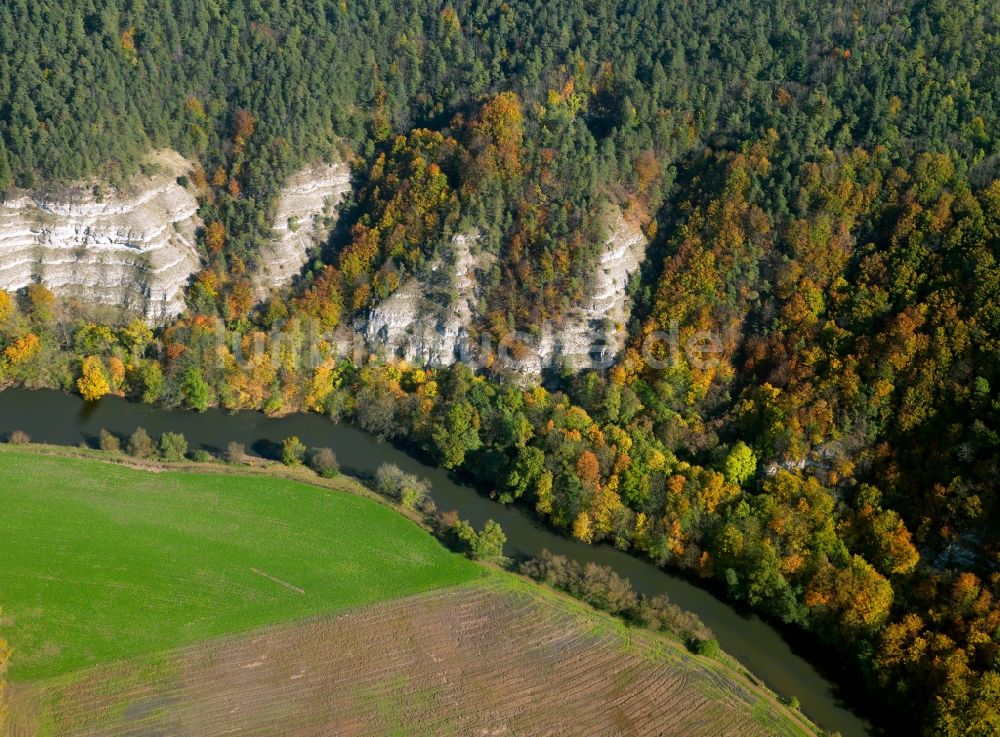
{"type": "Point", "coordinates": [309, 196]}
{"type": "Point", "coordinates": [593, 333]}
{"type": "Point", "coordinates": [133, 248]}
{"type": "Point", "coordinates": [431, 319]}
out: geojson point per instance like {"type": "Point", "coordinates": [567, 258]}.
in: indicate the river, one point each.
{"type": "Point", "coordinates": [54, 417]}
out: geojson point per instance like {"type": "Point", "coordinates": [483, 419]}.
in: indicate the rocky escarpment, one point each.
{"type": "Point", "coordinates": [133, 247]}
{"type": "Point", "coordinates": [307, 203]}
{"type": "Point", "coordinates": [431, 319]}
{"type": "Point", "coordinates": [593, 333]}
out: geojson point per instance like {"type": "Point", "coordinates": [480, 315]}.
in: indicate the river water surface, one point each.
{"type": "Point", "coordinates": [54, 417]}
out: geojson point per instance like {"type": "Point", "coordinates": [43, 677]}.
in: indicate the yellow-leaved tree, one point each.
{"type": "Point", "coordinates": [6, 306]}
{"type": "Point", "coordinates": [582, 528]}
{"type": "Point", "coordinates": [22, 349]}
{"type": "Point", "coordinates": [93, 383]}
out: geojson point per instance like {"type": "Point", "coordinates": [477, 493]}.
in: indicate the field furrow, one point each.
{"type": "Point", "coordinates": [481, 659]}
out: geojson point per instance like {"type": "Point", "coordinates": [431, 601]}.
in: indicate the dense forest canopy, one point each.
{"type": "Point", "coordinates": [91, 85]}
{"type": "Point", "coordinates": [820, 183]}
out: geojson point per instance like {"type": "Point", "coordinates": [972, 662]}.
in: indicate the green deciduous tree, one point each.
{"type": "Point", "coordinates": [197, 393]}
{"type": "Point", "coordinates": [173, 446]}
{"type": "Point", "coordinates": [293, 451]}
{"type": "Point", "coordinates": [740, 464]}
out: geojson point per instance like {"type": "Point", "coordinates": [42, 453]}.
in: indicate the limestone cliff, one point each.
{"type": "Point", "coordinates": [430, 319]}
{"type": "Point", "coordinates": [309, 196]}
{"type": "Point", "coordinates": [132, 247]}
{"type": "Point", "coordinates": [593, 333]}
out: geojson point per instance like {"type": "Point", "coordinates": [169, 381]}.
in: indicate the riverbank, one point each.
{"type": "Point", "coordinates": [64, 419]}
{"type": "Point", "coordinates": [72, 470]}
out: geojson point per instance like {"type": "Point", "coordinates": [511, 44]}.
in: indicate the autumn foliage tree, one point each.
{"type": "Point", "coordinates": [409, 197]}
{"type": "Point", "coordinates": [93, 382]}
{"type": "Point", "coordinates": [856, 596]}
{"type": "Point", "coordinates": [22, 349]}
{"type": "Point", "coordinates": [215, 236]}
{"type": "Point", "coordinates": [496, 135]}
{"type": "Point", "coordinates": [245, 125]}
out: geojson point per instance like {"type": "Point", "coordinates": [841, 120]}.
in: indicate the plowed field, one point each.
{"type": "Point", "coordinates": [494, 657]}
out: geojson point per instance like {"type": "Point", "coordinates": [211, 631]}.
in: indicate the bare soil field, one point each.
{"type": "Point", "coordinates": [489, 658]}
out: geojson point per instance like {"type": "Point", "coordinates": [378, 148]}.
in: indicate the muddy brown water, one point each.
{"type": "Point", "coordinates": [789, 663]}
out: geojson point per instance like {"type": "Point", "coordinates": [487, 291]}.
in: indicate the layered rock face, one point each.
{"type": "Point", "coordinates": [133, 248]}
{"type": "Point", "coordinates": [430, 319]}
{"type": "Point", "coordinates": [593, 333]}
{"type": "Point", "coordinates": [308, 197]}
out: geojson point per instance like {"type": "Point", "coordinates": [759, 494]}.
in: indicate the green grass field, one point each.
{"type": "Point", "coordinates": [101, 562]}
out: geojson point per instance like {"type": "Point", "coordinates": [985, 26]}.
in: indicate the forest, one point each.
{"type": "Point", "coordinates": [820, 184]}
